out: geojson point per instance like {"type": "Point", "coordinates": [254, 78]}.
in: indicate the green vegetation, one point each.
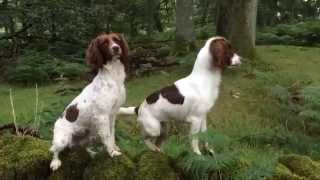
{"type": "Point", "coordinates": [276, 113]}
{"type": "Point", "coordinates": [41, 67]}
{"type": "Point", "coordinates": [306, 33]}
{"type": "Point", "coordinates": [23, 157]}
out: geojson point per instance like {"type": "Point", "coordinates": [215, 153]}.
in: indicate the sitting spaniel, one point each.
{"type": "Point", "coordinates": [188, 99]}
{"type": "Point", "coordinates": [92, 113]}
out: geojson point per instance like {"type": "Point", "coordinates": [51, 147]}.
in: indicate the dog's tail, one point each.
{"type": "Point", "coordinates": [129, 110]}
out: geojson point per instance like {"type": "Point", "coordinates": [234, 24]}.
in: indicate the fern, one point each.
{"type": "Point", "coordinates": [310, 114]}
{"type": "Point", "coordinates": [311, 97]}
{"type": "Point", "coordinates": [281, 93]}
{"type": "Point", "coordinates": [131, 145]}
{"type": "Point", "coordinates": [223, 163]}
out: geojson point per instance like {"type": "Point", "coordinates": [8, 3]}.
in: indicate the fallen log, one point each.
{"type": "Point", "coordinates": [22, 130]}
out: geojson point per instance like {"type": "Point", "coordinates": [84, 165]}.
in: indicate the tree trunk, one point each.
{"type": "Point", "coordinates": [157, 18]}
{"type": "Point", "coordinates": [204, 7]}
{"type": "Point", "coordinates": [152, 14]}
{"type": "Point", "coordinates": [185, 35]}
{"type": "Point", "coordinates": [224, 14]}
{"type": "Point", "coordinates": [237, 22]}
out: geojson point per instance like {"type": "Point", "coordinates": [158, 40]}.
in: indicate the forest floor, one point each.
{"type": "Point", "coordinates": [246, 109]}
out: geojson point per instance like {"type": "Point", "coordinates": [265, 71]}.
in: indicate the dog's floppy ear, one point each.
{"type": "Point", "coordinates": [221, 52]}
{"type": "Point", "coordinates": [125, 52]}
{"type": "Point", "coordinates": [94, 56]}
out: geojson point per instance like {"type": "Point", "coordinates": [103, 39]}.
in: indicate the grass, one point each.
{"type": "Point", "coordinates": [228, 114]}
{"type": "Point", "coordinates": [253, 122]}
{"type": "Point", "coordinates": [254, 112]}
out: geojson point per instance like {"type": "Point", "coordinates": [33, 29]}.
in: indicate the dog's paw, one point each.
{"type": "Point", "coordinates": [91, 152]}
{"type": "Point", "coordinates": [198, 152]}
{"type": "Point", "coordinates": [116, 147]}
{"type": "Point", "coordinates": [157, 149]}
{"type": "Point", "coordinates": [55, 164]}
{"type": "Point", "coordinates": [115, 153]}
{"type": "Point", "coordinates": [211, 151]}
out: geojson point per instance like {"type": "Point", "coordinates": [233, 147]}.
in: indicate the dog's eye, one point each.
{"type": "Point", "coordinates": [116, 39]}
{"type": "Point", "coordinates": [105, 42]}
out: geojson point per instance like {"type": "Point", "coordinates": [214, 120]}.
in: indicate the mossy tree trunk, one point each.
{"type": "Point", "coordinates": [185, 34]}
{"type": "Point", "coordinates": [237, 22]}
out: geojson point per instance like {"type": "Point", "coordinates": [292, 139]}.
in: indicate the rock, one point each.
{"type": "Point", "coordinates": [296, 167]}
{"type": "Point", "coordinates": [151, 59]}
{"type": "Point", "coordinates": [74, 163]}
{"type": "Point", "coordinates": [24, 157]}
{"type": "Point", "coordinates": [283, 173]}
{"type": "Point", "coordinates": [138, 52]}
{"type": "Point", "coordinates": [155, 166]}
{"type": "Point", "coordinates": [103, 167]}
{"type": "Point", "coordinates": [163, 52]}
{"type": "Point", "coordinates": [301, 165]}
{"type": "Point", "coordinates": [168, 61]}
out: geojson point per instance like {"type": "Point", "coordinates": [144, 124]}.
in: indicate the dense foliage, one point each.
{"type": "Point", "coordinates": [62, 28]}
{"type": "Point", "coordinates": [306, 33]}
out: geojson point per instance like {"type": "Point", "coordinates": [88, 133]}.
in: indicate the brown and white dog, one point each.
{"type": "Point", "coordinates": [92, 113]}
{"type": "Point", "coordinates": [188, 99]}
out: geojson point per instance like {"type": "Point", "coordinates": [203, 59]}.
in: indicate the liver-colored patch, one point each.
{"type": "Point", "coordinates": [171, 93]}
{"type": "Point", "coordinates": [72, 113]}
{"type": "Point", "coordinates": [79, 136]}
{"type": "Point", "coordinates": [222, 53]}
{"type": "Point", "coordinates": [152, 98]}
{"type": "Point", "coordinates": [136, 109]}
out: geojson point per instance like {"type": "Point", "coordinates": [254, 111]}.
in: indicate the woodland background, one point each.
{"type": "Point", "coordinates": [265, 125]}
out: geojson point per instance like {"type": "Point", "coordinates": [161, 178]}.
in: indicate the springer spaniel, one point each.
{"type": "Point", "coordinates": [92, 113]}
{"type": "Point", "coordinates": [188, 99]}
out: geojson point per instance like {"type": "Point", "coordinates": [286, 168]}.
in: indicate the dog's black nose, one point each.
{"type": "Point", "coordinates": [116, 48]}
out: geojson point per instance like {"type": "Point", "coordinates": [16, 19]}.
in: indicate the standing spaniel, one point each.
{"type": "Point", "coordinates": [92, 113]}
{"type": "Point", "coordinates": [188, 99]}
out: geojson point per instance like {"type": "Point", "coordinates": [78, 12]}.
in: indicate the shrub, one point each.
{"type": "Point", "coordinates": [301, 102]}
{"type": "Point", "coordinates": [302, 34]}
{"type": "Point", "coordinates": [71, 70]}
{"type": "Point", "coordinates": [34, 66]}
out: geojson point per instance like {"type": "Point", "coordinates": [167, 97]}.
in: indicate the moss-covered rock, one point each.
{"type": "Point", "coordinates": [73, 165]}
{"type": "Point", "coordinates": [24, 157]}
{"type": "Point", "coordinates": [155, 166]}
{"type": "Point", "coordinates": [102, 167]}
{"type": "Point", "coordinates": [283, 173]}
{"type": "Point", "coordinates": [297, 167]}
{"type": "Point", "coordinates": [301, 165]}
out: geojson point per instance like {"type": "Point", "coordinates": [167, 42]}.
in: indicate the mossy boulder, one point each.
{"type": "Point", "coordinates": [297, 167]}
{"type": "Point", "coordinates": [283, 173]}
{"type": "Point", "coordinates": [302, 165]}
{"type": "Point", "coordinates": [155, 166]}
{"type": "Point", "coordinates": [103, 167]}
{"type": "Point", "coordinates": [73, 165]}
{"type": "Point", "coordinates": [24, 157]}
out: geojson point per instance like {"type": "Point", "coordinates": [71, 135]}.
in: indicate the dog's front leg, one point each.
{"type": "Point", "coordinates": [106, 136]}
{"type": "Point", "coordinates": [194, 129]}
{"type": "Point", "coordinates": [112, 130]}
{"type": "Point", "coordinates": [204, 129]}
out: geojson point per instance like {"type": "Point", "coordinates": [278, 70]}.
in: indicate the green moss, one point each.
{"type": "Point", "coordinates": [73, 164]}
{"type": "Point", "coordinates": [24, 157]}
{"type": "Point", "coordinates": [301, 165]}
{"type": "Point", "coordinates": [283, 173]}
{"type": "Point", "coordinates": [155, 166]}
{"type": "Point", "coordinates": [104, 167]}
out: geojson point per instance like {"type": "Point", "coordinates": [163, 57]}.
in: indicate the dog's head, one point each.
{"type": "Point", "coordinates": [222, 53]}
{"type": "Point", "coordinates": [105, 48]}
